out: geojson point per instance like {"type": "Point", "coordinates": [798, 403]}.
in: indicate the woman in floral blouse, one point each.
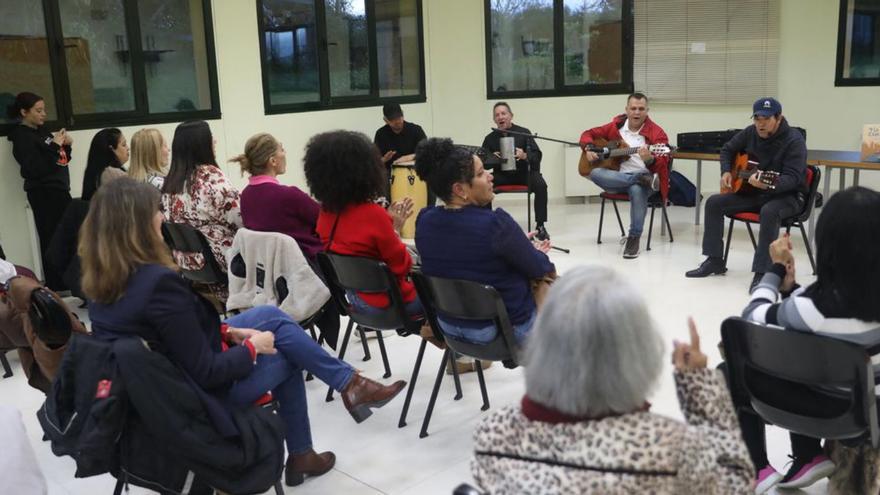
{"type": "Point", "coordinates": [197, 193]}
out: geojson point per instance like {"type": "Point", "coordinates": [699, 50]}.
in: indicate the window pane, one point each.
{"type": "Point", "coordinates": [348, 49]}
{"type": "Point", "coordinates": [98, 59]}
{"type": "Point", "coordinates": [862, 49]}
{"type": "Point", "coordinates": [175, 55]}
{"type": "Point", "coordinates": [522, 45]}
{"type": "Point", "coordinates": [593, 34]}
{"type": "Point", "coordinates": [291, 55]}
{"type": "Point", "coordinates": [24, 54]}
{"type": "Point", "coordinates": [397, 47]}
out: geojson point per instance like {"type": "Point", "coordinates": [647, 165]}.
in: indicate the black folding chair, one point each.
{"type": "Point", "coordinates": [354, 273]}
{"type": "Point", "coordinates": [466, 300]}
{"type": "Point", "coordinates": [828, 381]}
{"type": "Point", "coordinates": [187, 239]}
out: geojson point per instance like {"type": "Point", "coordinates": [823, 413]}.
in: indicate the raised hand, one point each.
{"type": "Point", "coordinates": [689, 356]}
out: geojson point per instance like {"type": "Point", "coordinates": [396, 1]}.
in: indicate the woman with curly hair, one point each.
{"type": "Point", "coordinates": [345, 174]}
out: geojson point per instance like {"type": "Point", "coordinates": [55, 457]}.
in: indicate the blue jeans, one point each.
{"type": "Point", "coordinates": [485, 334]}
{"type": "Point", "coordinates": [281, 373]}
{"type": "Point", "coordinates": [619, 182]}
{"type": "Point", "coordinates": [413, 309]}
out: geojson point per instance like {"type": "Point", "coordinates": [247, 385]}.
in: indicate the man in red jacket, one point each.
{"type": "Point", "coordinates": [642, 173]}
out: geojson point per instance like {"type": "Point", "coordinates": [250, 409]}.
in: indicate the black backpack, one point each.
{"type": "Point", "coordinates": [118, 407]}
{"type": "Point", "coordinates": [682, 192]}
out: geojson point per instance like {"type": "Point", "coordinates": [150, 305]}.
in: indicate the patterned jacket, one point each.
{"type": "Point", "coordinates": [638, 452]}
{"type": "Point", "coordinates": [209, 202]}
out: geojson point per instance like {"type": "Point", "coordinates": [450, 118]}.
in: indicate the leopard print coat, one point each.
{"type": "Point", "coordinates": [633, 453]}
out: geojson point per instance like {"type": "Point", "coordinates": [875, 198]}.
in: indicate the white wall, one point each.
{"type": "Point", "coordinates": [457, 105]}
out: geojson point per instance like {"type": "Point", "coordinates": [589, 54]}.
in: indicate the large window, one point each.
{"type": "Point", "coordinates": [340, 53]}
{"type": "Point", "coordinates": [858, 43]}
{"type": "Point", "coordinates": [110, 62]}
{"type": "Point", "coordinates": [558, 47]}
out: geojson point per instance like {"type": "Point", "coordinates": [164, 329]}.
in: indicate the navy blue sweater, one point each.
{"type": "Point", "coordinates": [785, 152]}
{"type": "Point", "coordinates": [484, 246]}
{"type": "Point", "coordinates": [160, 307]}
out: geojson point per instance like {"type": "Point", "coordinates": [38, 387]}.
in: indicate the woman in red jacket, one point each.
{"type": "Point", "coordinates": [345, 174]}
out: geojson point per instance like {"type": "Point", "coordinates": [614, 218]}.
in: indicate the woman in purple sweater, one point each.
{"type": "Point", "coordinates": [269, 206]}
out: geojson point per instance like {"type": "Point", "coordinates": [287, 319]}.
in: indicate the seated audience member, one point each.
{"type": "Point", "coordinates": [149, 157]}
{"type": "Point", "coordinates": [269, 206]}
{"type": "Point", "coordinates": [842, 300]}
{"type": "Point", "coordinates": [345, 173]}
{"type": "Point", "coordinates": [464, 240]}
{"type": "Point", "coordinates": [134, 290]}
{"type": "Point", "coordinates": [62, 249]}
{"type": "Point", "coordinates": [585, 426]}
{"type": "Point", "coordinates": [108, 150]}
{"type": "Point", "coordinates": [196, 192]}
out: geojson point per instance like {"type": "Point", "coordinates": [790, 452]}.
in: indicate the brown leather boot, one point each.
{"type": "Point", "coordinates": [310, 463]}
{"type": "Point", "coordinates": [361, 395]}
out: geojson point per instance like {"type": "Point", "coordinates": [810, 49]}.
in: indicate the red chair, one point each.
{"type": "Point", "coordinates": [520, 189]}
{"type": "Point", "coordinates": [813, 175]}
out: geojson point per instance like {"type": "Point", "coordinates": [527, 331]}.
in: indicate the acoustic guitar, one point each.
{"type": "Point", "coordinates": [743, 167]}
{"type": "Point", "coordinates": [611, 155]}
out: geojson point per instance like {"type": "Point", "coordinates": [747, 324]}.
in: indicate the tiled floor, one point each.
{"type": "Point", "coordinates": [377, 457]}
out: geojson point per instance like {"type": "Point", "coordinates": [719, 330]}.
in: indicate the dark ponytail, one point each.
{"type": "Point", "coordinates": [441, 164]}
{"type": "Point", "coordinates": [23, 101]}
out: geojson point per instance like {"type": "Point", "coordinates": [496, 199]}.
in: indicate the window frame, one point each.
{"type": "Point", "coordinates": [839, 79]}
{"type": "Point", "coordinates": [141, 114]}
{"type": "Point", "coordinates": [325, 101]}
{"type": "Point", "coordinates": [559, 86]}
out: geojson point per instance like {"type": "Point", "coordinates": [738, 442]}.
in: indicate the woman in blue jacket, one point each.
{"type": "Point", "coordinates": [134, 289]}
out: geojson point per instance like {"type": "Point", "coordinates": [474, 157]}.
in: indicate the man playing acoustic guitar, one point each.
{"type": "Point", "coordinates": [640, 174]}
{"type": "Point", "coordinates": [769, 145]}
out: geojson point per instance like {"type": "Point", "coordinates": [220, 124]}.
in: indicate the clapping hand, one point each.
{"type": "Point", "coordinates": [689, 356]}
{"type": "Point", "coordinates": [543, 246]}
{"type": "Point", "coordinates": [400, 211]}
{"type": "Point", "coordinates": [781, 252]}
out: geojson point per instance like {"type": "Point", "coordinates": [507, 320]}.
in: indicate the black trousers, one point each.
{"type": "Point", "coordinates": [753, 426]}
{"type": "Point", "coordinates": [48, 206]}
{"type": "Point", "coordinates": [537, 185]}
{"type": "Point", "coordinates": [772, 209]}
{"type": "Point", "coordinates": [328, 322]}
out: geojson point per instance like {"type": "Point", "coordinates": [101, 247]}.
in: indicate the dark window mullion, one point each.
{"type": "Point", "coordinates": [211, 53]}
{"type": "Point", "coordinates": [487, 8]}
{"type": "Point", "coordinates": [421, 20]}
{"type": "Point", "coordinates": [323, 53]}
{"type": "Point", "coordinates": [558, 42]}
{"type": "Point", "coordinates": [58, 63]}
{"type": "Point", "coordinates": [372, 49]}
{"type": "Point", "coordinates": [628, 44]}
{"type": "Point", "coordinates": [136, 54]}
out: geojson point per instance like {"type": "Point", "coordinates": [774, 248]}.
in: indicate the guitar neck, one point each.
{"type": "Point", "coordinates": [622, 152]}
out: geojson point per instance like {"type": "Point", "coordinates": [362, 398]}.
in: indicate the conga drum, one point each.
{"type": "Point", "coordinates": [405, 182]}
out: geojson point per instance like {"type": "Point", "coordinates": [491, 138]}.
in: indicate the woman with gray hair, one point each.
{"type": "Point", "coordinates": [584, 425]}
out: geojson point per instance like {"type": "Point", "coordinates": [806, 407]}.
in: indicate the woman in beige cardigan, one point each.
{"type": "Point", "coordinates": [584, 425]}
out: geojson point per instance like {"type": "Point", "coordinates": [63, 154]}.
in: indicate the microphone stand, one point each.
{"type": "Point", "coordinates": [529, 175]}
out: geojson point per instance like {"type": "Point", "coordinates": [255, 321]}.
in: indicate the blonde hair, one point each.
{"type": "Point", "coordinates": [118, 236]}
{"type": "Point", "coordinates": [146, 154]}
{"type": "Point", "coordinates": [258, 150]}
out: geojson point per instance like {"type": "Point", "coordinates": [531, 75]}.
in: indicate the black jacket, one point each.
{"type": "Point", "coordinates": [785, 151]}
{"type": "Point", "coordinates": [37, 156]}
{"type": "Point", "coordinates": [118, 407]}
{"type": "Point", "coordinates": [492, 144]}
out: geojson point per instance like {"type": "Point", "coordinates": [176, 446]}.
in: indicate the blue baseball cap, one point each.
{"type": "Point", "coordinates": [766, 107]}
